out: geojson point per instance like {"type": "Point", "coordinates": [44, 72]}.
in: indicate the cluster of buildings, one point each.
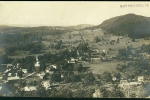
{"type": "Point", "coordinates": [128, 88]}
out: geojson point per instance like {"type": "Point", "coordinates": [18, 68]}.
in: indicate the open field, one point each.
{"type": "Point", "coordinates": [102, 67]}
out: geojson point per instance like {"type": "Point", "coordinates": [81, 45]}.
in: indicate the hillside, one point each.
{"type": "Point", "coordinates": [135, 26]}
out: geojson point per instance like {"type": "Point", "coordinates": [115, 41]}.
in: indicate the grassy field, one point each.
{"type": "Point", "coordinates": [102, 67]}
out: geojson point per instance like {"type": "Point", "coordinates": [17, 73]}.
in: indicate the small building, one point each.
{"type": "Point", "coordinates": [103, 51]}
{"type": "Point", "coordinates": [13, 78]}
{"type": "Point", "coordinates": [114, 78]}
{"type": "Point", "coordinates": [9, 74]}
{"type": "Point", "coordinates": [9, 65]}
{"type": "Point", "coordinates": [41, 75]}
{"type": "Point", "coordinates": [123, 83]}
{"type": "Point", "coordinates": [46, 84]}
{"type": "Point", "coordinates": [24, 70]}
{"type": "Point", "coordinates": [97, 94]}
{"type": "Point", "coordinates": [135, 83]}
{"type": "Point", "coordinates": [29, 88]}
{"type": "Point", "coordinates": [96, 60]}
{"type": "Point", "coordinates": [140, 78]}
{"type": "Point", "coordinates": [47, 70]}
{"type": "Point", "coordinates": [54, 66]}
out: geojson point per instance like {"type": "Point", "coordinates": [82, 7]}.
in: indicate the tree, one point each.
{"type": "Point", "coordinates": [45, 77]}
{"type": "Point", "coordinates": [118, 40]}
{"type": "Point", "coordinates": [105, 93]}
{"type": "Point", "coordinates": [75, 78]}
{"type": "Point", "coordinates": [40, 90]}
{"type": "Point", "coordinates": [117, 75]}
{"type": "Point", "coordinates": [20, 73]}
{"type": "Point", "coordinates": [103, 54]}
{"type": "Point", "coordinates": [133, 40]}
{"type": "Point", "coordinates": [56, 77]}
{"type": "Point", "coordinates": [116, 93]}
{"type": "Point", "coordinates": [106, 76]}
{"type": "Point", "coordinates": [64, 93]}
{"type": "Point", "coordinates": [89, 78]}
{"type": "Point", "coordinates": [78, 68]}
{"type": "Point", "coordinates": [80, 93]}
{"type": "Point", "coordinates": [97, 39]}
{"type": "Point", "coordinates": [43, 65]}
{"type": "Point", "coordinates": [143, 47]}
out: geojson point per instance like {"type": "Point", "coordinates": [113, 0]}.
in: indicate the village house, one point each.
{"type": "Point", "coordinates": [134, 83]}
{"type": "Point", "coordinates": [9, 74]}
{"type": "Point", "coordinates": [47, 70]}
{"type": "Point", "coordinates": [123, 83]}
{"type": "Point", "coordinates": [72, 60]}
{"type": "Point", "coordinates": [41, 75]}
{"type": "Point", "coordinates": [114, 78]}
{"type": "Point", "coordinates": [9, 66]}
{"type": "Point", "coordinates": [12, 77]}
{"type": "Point", "coordinates": [97, 94]}
{"type": "Point", "coordinates": [46, 84]}
{"type": "Point", "coordinates": [96, 60]}
{"type": "Point", "coordinates": [24, 71]}
{"type": "Point", "coordinates": [29, 88]}
{"type": "Point", "coordinates": [54, 66]}
{"type": "Point", "coordinates": [140, 78]}
{"type": "Point", "coordinates": [95, 50]}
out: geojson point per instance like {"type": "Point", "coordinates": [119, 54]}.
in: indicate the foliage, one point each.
{"type": "Point", "coordinates": [106, 76]}
{"type": "Point", "coordinates": [89, 78]}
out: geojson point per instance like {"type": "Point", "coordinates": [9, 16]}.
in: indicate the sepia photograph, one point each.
{"type": "Point", "coordinates": [75, 49]}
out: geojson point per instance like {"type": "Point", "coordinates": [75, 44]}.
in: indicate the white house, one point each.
{"type": "Point", "coordinates": [134, 83]}
{"type": "Point", "coordinates": [41, 75]}
{"type": "Point", "coordinates": [124, 83]}
{"type": "Point", "coordinates": [114, 78]}
{"type": "Point", "coordinates": [9, 74]}
{"type": "Point", "coordinates": [54, 66]}
{"type": "Point", "coordinates": [104, 51]}
{"type": "Point", "coordinates": [9, 65]}
{"type": "Point", "coordinates": [13, 78]}
{"type": "Point", "coordinates": [24, 70]}
{"type": "Point", "coordinates": [140, 78]}
{"type": "Point", "coordinates": [29, 88]}
{"type": "Point", "coordinates": [46, 84]}
{"type": "Point", "coordinates": [97, 94]}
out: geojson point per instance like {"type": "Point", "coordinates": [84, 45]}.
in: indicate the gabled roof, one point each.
{"type": "Point", "coordinates": [13, 78]}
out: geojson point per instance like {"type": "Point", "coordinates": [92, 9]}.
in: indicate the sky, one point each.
{"type": "Point", "coordinates": [65, 13]}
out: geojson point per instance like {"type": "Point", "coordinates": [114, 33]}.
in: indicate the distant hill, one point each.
{"type": "Point", "coordinates": [79, 27]}
{"type": "Point", "coordinates": [21, 29]}
{"type": "Point", "coordinates": [135, 26]}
